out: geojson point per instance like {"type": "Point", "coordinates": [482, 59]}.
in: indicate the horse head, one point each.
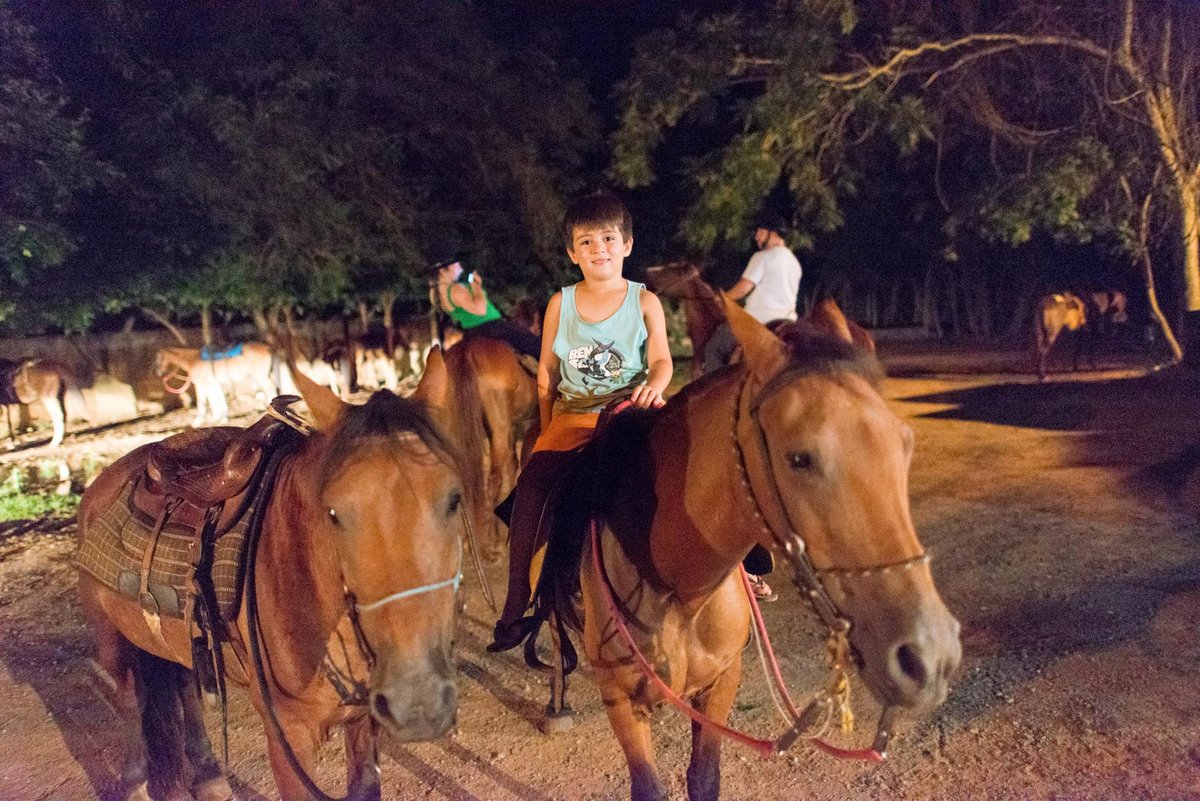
{"type": "Point", "coordinates": [676, 279]}
{"type": "Point", "coordinates": [827, 462]}
{"type": "Point", "coordinates": [389, 491]}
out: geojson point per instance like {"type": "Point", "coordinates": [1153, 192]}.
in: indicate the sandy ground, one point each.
{"type": "Point", "coordinates": [1062, 520]}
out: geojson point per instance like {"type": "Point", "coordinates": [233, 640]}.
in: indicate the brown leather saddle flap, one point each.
{"type": "Point", "coordinates": [206, 466]}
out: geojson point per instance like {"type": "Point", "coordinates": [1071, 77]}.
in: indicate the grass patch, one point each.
{"type": "Point", "coordinates": [18, 502]}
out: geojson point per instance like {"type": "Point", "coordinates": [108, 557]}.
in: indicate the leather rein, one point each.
{"type": "Point", "coordinates": [806, 577]}
{"type": "Point", "coordinates": [352, 691]}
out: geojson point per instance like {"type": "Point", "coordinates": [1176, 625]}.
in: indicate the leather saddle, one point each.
{"type": "Point", "coordinates": [210, 465]}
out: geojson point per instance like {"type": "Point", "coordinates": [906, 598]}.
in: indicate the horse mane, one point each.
{"type": "Point", "coordinates": [386, 415]}
{"type": "Point", "coordinates": [813, 351]}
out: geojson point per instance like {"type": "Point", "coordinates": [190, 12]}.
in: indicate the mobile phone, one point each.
{"type": "Point", "coordinates": [471, 277]}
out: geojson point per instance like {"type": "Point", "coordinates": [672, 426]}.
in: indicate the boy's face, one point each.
{"type": "Point", "coordinates": [599, 250]}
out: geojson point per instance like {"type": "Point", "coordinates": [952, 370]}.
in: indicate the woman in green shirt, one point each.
{"type": "Point", "coordinates": [467, 304]}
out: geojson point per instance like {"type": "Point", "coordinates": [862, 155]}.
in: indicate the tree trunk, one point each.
{"type": "Point", "coordinates": [206, 319]}
{"type": "Point", "coordinates": [388, 299]}
{"type": "Point", "coordinates": [364, 316]}
{"type": "Point", "coordinates": [162, 320]}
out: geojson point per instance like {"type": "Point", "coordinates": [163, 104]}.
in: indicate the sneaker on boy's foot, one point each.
{"type": "Point", "coordinates": [762, 591]}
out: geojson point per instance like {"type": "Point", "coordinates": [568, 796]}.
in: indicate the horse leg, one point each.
{"type": "Point", "coordinates": [208, 777]}
{"type": "Point", "coordinates": [58, 417]}
{"type": "Point", "coordinates": [560, 717]}
{"type": "Point", "coordinates": [115, 657]}
{"type": "Point", "coordinates": [304, 741]}
{"type": "Point", "coordinates": [704, 770]}
{"type": "Point", "coordinates": [362, 761]}
{"type": "Point", "coordinates": [201, 403]}
{"type": "Point", "coordinates": [632, 729]}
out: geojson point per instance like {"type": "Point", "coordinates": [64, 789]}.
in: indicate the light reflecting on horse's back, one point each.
{"type": "Point", "coordinates": [353, 591]}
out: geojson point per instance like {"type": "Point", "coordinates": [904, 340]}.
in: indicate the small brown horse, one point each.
{"type": "Point", "coordinates": [254, 362]}
{"type": "Point", "coordinates": [680, 280]}
{"type": "Point", "coordinates": [793, 449]}
{"type": "Point", "coordinates": [1058, 313]}
{"type": "Point", "coordinates": [360, 542]}
{"type": "Point", "coordinates": [495, 402]}
{"type": "Point", "coordinates": [32, 380]}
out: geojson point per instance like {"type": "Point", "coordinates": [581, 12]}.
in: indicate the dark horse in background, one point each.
{"type": "Point", "coordinates": [1085, 317]}
{"type": "Point", "coordinates": [32, 380]}
{"type": "Point", "coordinates": [352, 586]}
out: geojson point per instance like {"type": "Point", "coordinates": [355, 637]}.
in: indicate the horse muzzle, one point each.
{"type": "Point", "coordinates": [906, 639]}
{"type": "Point", "coordinates": [415, 701]}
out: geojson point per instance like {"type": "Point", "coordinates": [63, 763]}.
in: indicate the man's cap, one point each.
{"type": "Point", "coordinates": [769, 221]}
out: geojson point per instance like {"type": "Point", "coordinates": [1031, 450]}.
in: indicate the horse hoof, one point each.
{"type": "Point", "coordinates": [139, 793]}
{"type": "Point", "coordinates": [215, 789]}
{"type": "Point", "coordinates": [559, 723]}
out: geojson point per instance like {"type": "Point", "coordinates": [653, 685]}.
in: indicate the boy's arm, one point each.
{"type": "Point", "coordinates": [548, 363]}
{"type": "Point", "coordinates": [658, 354]}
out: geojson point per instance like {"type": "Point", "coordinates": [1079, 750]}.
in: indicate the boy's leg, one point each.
{"type": "Point", "coordinates": [535, 488]}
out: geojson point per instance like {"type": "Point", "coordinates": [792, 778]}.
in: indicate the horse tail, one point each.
{"type": "Point", "coordinates": [160, 685]}
{"type": "Point", "coordinates": [467, 429]}
{"type": "Point", "coordinates": [69, 388]}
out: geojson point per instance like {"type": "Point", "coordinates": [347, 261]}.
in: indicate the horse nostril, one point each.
{"type": "Point", "coordinates": [911, 665]}
{"type": "Point", "coordinates": [381, 707]}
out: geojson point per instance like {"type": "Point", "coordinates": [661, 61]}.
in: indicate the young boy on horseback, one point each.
{"type": "Point", "coordinates": [604, 339]}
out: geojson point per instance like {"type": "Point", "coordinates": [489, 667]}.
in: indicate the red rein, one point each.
{"type": "Point", "coordinates": [763, 747]}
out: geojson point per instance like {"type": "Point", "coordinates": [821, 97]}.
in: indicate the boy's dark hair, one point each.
{"type": "Point", "coordinates": [597, 208]}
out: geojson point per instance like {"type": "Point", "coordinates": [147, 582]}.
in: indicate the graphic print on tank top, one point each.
{"type": "Point", "coordinates": [599, 360]}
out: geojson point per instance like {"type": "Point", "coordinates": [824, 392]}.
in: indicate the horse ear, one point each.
{"type": "Point", "coordinates": [827, 316]}
{"type": "Point", "coordinates": [327, 409]}
{"type": "Point", "coordinates": [435, 381]}
{"type": "Point", "coordinates": [764, 353]}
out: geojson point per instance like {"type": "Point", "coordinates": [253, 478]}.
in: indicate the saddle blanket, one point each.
{"type": "Point", "coordinates": [210, 355]}
{"type": "Point", "coordinates": [116, 542]}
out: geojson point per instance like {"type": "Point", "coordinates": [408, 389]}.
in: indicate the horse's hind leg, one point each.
{"type": "Point", "coordinates": [704, 770]}
{"type": "Point", "coordinates": [54, 408]}
{"type": "Point", "coordinates": [208, 778]}
{"type": "Point", "coordinates": [362, 761]}
{"type": "Point", "coordinates": [115, 658]}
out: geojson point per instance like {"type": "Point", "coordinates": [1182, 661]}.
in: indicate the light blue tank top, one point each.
{"type": "Point", "coordinates": [600, 362]}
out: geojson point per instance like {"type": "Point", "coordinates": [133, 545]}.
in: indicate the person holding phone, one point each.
{"type": "Point", "coordinates": [463, 299]}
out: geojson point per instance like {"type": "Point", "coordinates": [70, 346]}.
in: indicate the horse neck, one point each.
{"type": "Point", "coordinates": [702, 527]}
{"type": "Point", "coordinates": [299, 576]}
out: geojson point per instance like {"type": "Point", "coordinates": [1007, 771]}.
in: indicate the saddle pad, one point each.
{"type": "Point", "coordinates": [117, 539]}
{"type": "Point", "coordinates": [209, 355]}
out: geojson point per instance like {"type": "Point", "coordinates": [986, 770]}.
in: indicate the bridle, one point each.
{"type": "Point", "coordinates": [805, 575]}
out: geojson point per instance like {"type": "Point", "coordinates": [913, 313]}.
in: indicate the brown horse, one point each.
{"type": "Point", "coordinates": [495, 402]}
{"type": "Point", "coordinates": [359, 543]}
{"type": "Point", "coordinates": [254, 362]}
{"type": "Point", "coordinates": [1058, 313]}
{"type": "Point", "coordinates": [793, 449]}
{"type": "Point", "coordinates": [32, 380]}
{"type": "Point", "coordinates": [680, 280]}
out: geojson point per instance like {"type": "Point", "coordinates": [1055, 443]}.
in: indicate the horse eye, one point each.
{"type": "Point", "coordinates": [801, 461]}
{"type": "Point", "coordinates": [333, 518]}
{"type": "Point", "coordinates": [453, 503]}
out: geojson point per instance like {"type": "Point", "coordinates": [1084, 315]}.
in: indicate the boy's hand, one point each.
{"type": "Point", "coordinates": [646, 397]}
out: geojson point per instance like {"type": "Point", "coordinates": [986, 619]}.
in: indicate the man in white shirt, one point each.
{"type": "Point", "coordinates": [770, 284]}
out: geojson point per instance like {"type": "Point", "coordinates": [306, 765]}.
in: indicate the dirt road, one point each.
{"type": "Point", "coordinates": [1062, 520]}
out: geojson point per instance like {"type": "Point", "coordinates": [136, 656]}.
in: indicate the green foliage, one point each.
{"type": "Point", "coordinates": [18, 502]}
